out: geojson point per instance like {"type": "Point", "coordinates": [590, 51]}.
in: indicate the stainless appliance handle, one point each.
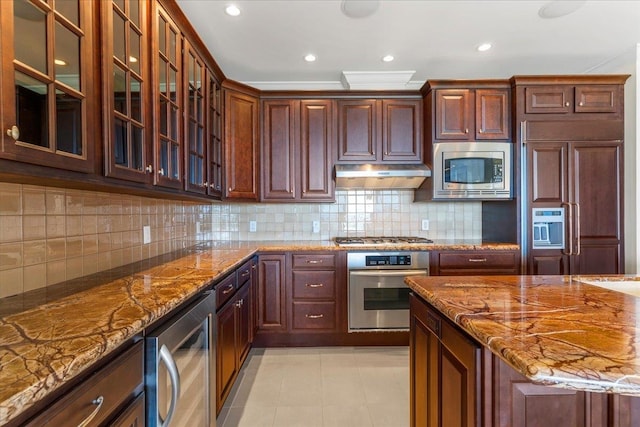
{"type": "Point", "coordinates": [577, 206]}
{"type": "Point", "coordinates": [172, 369]}
{"type": "Point", "coordinates": [524, 204]}
{"type": "Point", "coordinates": [570, 227]}
{"type": "Point", "coordinates": [387, 273]}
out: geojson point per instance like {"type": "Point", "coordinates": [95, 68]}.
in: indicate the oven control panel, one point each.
{"type": "Point", "coordinates": [375, 260]}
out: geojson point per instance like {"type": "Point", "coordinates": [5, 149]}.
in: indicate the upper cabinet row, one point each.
{"type": "Point", "coordinates": [161, 109]}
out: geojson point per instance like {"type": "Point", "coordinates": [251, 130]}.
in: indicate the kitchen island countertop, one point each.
{"type": "Point", "coordinates": [554, 330]}
{"type": "Point", "coordinates": [50, 336]}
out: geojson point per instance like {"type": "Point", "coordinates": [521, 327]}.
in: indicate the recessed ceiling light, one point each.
{"type": "Point", "coordinates": [388, 58]}
{"type": "Point", "coordinates": [484, 47]}
{"type": "Point", "coordinates": [310, 57]}
{"type": "Point", "coordinates": [59, 62]}
{"type": "Point", "coordinates": [558, 8]}
{"type": "Point", "coordinates": [232, 10]}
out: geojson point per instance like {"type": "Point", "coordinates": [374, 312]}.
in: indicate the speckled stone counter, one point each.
{"type": "Point", "coordinates": [555, 330]}
{"type": "Point", "coordinates": [48, 337]}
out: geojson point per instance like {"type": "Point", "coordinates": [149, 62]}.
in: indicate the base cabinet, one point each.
{"type": "Point", "coordinates": [455, 382]}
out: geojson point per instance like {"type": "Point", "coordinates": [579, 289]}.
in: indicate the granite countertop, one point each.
{"type": "Point", "coordinates": [48, 337]}
{"type": "Point", "coordinates": [555, 330]}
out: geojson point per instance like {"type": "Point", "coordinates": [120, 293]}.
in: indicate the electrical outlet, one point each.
{"type": "Point", "coordinates": [198, 227]}
{"type": "Point", "coordinates": [146, 235]}
{"type": "Point", "coordinates": [316, 226]}
{"type": "Point", "coordinates": [253, 226]}
{"type": "Point", "coordinates": [425, 225]}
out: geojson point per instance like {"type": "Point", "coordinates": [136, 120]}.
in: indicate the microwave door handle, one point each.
{"type": "Point", "coordinates": [569, 215]}
{"type": "Point", "coordinates": [577, 211]}
{"type": "Point", "coordinates": [172, 369]}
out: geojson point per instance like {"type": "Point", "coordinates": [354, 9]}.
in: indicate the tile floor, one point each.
{"type": "Point", "coordinates": [321, 386]}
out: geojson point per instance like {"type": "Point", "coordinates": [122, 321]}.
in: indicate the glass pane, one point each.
{"type": "Point", "coordinates": [119, 42]}
{"type": "Point", "coordinates": [173, 40]}
{"type": "Point", "coordinates": [69, 9]}
{"type": "Point", "coordinates": [134, 12]}
{"type": "Point", "coordinates": [191, 71]}
{"type": "Point", "coordinates": [191, 107]}
{"type": "Point", "coordinates": [134, 52]}
{"type": "Point", "coordinates": [199, 139]}
{"type": "Point", "coordinates": [120, 4]}
{"type": "Point", "coordinates": [31, 110]}
{"type": "Point", "coordinates": [173, 87]}
{"type": "Point", "coordinates": [200, 107]}
{"type": "Point", "coordinates": [30, 35]}
{"type": "Point", "coordinates": [192, 169]}
{"type": "Point", "coordinates": [68, 123]}
{"type": "Point", "coordinates": [67, 57]}
{"type": "Point", "coordinates": [137, 145]}
{"type": "Point", "coordinates": [119, 90]}
{"type": "Point", "coordinates": [386, 298]}
{"type": "Point", "coordinates": [136, 99]}
{"type": "Point", "coordinates": [164, 157]}
{"type": "Point", "coordinates": [174, 123]}
{"type": "Point", "coordinates": [175, 149]}
{"type": "Point", "coordinates": [162, 78]}
{"type": "Point", "coordinates": [120, 142]}
{"type": "Point", "coordinates": [162, 36]}
{"type": "Point", "coordinates": [192, 136]}
{"type": "Point", "coordinates": [163, 116]}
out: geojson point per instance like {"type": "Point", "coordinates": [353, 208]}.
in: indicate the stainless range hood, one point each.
{"type": "Point", "coordinates": [381, 176]}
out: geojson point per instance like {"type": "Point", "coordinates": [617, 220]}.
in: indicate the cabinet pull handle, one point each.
{"type": "Point", "coordinates": [149, 169]}
{"type": "Point", "coordinates": [98, 402]}
{"type": "Point", "coordinates": [570, 227]}
{"type": "Point", "coordinates": [314, 316]}
{"type": "Point", "coordinates": [174, 374]}
{"type": "Point", "coordinates": [314, 261]}
{"type": "Point", "coordinates": [14, 132]}
{"type": "Point", "coordinates": [477, 260]}
{"type": "Point", "coordinates": [577, 206]}
{"type": "Point", "coordinates": [245, 274]}
{"type": "Point", "coordinates": [161, 172]}
{"type": "Point", "coordinates": [314, 285]}
{"type": "Point", "coordinates": [228, 289]}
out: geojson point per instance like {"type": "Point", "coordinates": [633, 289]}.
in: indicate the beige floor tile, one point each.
{"type": "Point", "coordinates": [298, 416]}
{"type": "Point", "coordinates": [249, 417]}
{"type": "Point", "coordinates": [346, 416]}
{"type": "Point", "coordinates": [389, 415]}
{"type": "Point", "coordinates": [342, 387]}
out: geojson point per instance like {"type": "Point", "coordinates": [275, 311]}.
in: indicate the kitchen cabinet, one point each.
{"type": "Point", "coordinates": [297, 150]}
{"type": "Point", "coordinates": [195, 114]}
{"type": "Point", "coordinates": [468, 114]}
{"type": "Point", "coordinates": [127, 88]}
{"type": "Point", "coordinates": [445, 371]}
{"type": "Point", "coordinates": [113, 395]}
{"type": "Point", "coordinates": [48, 95]}
{"type": "Point", "coordinates": [241, 147]}
{"type": "Point", "coordinates": [214, 146]}
{"type": "Point", "coordinates": [272, 313]}
{"type": "Point", "coordinates": [572, 159]}
{"type": "Point", "coordinates": [379, 130]}
{"type": "Point", "coordinates": [474, 262]}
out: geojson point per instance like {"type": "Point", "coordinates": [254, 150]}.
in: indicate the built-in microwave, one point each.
{"type": "Point", "coordinates": [472, 170]}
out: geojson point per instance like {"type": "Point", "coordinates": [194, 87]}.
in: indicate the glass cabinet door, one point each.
{"type": "Point", "coordinates": [47, 82]}
{"type": "Point", "coordinates": [127, 148]}
{"type": "Point", "coordinates": [196, 150]}
{"type": "Point", "coordinates": [214, 142]}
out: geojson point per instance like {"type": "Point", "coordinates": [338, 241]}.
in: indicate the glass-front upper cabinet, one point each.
{"type": "Point", "coordinates": [214, 135]}
{"type": "Point", "coordinates": [128, 153]}
{"type": "Point", "coordinates": [47, 82]}
{"type": "Point", "coordinates": [195, 132]}
{"type": "Point", "coordinates": [167, 101]}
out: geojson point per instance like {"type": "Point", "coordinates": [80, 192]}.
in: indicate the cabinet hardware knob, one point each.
{"type": "Point", "coordinates": [480, 131]}
{"type": "Point", "coordinates": [253, 267]}
{"type": "Point", "coordinates": [581, 104]}
{"type": "Point", "coordinates": [161, 172]}
{"type": "Point", "coordinates": [149, 169]}
{"type": "Point", "coordinates": [466, 131]}
{"type": "Point", "coordinates": [314, 316]}
{"type": "Point", "coordinates": [98, 402]}
{"type": "Point", "coordinates": [205, 184]}
{"type": "Point", "coordinates": [230, 190]}
{"type": "Point", "coordinates": [14, 132]}
{"type": "Point", "coordinates": [314, 285]}
{"type": "Point", "coordinates": [567, 104]}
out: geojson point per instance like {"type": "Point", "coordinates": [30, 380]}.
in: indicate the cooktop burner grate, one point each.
{"type": "Point", "coordinates": [380, 240]}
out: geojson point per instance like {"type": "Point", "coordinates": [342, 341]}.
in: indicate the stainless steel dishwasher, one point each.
{"type": "Point", "coordinates": [180, 368]}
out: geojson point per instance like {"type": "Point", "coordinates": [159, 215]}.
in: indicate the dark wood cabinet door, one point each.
{"type": "Point", "coordinates": [453, 114]}
{"type": "Point", "coordinates": [314, 315]}
{"type": "Point", "coordinates": [551, 99]}
{"type": "Point", "coordinates": [226, 359]}
{"type": "Point", "coordinates": [195, 131]}
{"type": "Point", "coordinates": [598, 98]}
{"type": "Point", "coordinates": [272, 315]}
{"type": "Point", "coordinates": [492, 114]}
{"type": "Point", "coordinates": [401, 130]}
{"type": "Point", "coordinates": [596, 174]}
{"type": "Point", "coordinates": [215, 156]}
{"type": "Point", "coordinates": [549, 262]}
{"type": "Point", "coordinates": [358, 130]}
{"type": "Point", "coordinates": [243, 323]}
{"type": "Point", "coordinates": [464, 263]}
{"type": "Point", "coordinates": [547, 172]}
{"type": "Point", "coordinates": [279, 147]}
{"type": "Point", "coordinates": [48, 108]}
{"type": "Point", "coordinates": [241, 145]}
{"type": "Point", "coordinates": [133, 416]}
{"type": "Point", "coordinates": [317, 139]}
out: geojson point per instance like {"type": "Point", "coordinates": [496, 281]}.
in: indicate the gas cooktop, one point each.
{"type": "Point", "coordinates": [380, 241]}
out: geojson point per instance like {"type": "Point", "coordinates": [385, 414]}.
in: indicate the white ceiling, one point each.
{"type": "Point", "coordinates": [264, 46]}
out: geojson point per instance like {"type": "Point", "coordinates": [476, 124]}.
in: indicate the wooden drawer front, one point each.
{"type": "Point", "coordinates": [314, 284]}
{"type": "Point", "coordinates": [116, 383]}
{"type": "Point", "coordinates": [549, 99]}
{"type": "Point", "coordinates": [597, 98]}
{"type": "Point", "coordinates": [243, 274]}
{"type": "Point", "coordinates": [314, 261]}
{"type": "Point", "coordinates": [225, 290]}
{"type": "Point", "coordinates": [314, 315]}
{"type": "Point", "coordinates": [478, 260]}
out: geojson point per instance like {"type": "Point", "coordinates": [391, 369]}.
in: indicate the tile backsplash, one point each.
{"type": "Point", "coordinates": [49, 235]}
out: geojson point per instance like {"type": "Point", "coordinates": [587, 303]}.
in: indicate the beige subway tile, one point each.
{"type": "Point", "coordinates": [10, 255]}
{"type": "Point", "coordinates": [104, 261]}
{"type": "Point", "coordinates": [56, 249]}
{"type": "Point", "coordinates": [104, 243]}
{"type": "Point", "coordinates": [73, 225]}
{"type": "Point", "coordinates": [55, 226]}
{"type": "Point", "coordinates": [10, 228]}
{"type": "Point", "coordinates": [34, 227]}
{"type": "Point", "coordinates": [55, 201]}
{"type": "Point", "coordinates": [73, 268]}
{"type": "Point", "coordinates": [90, 203]}
{"type": "Point", "coordinates": [90, 264]}
{"type": "Point", "coordinates": [89, 224]}
{"type": "Point", "coordinates": [35, 277]}
{"type": "Point", "coordinates": [104, 224]}
{"type": "Point", "coordinates": [11, 282]}
{"type": "Point", "coordinates": [56, 272]}
{"type": "Point", "coordinates": [33, 200]}
{"type": "Point", "coordinates": [89, 244]}
{"type": "Point", "coordinates": [74, 247]}
{"type": "Point", "coordinates": [74, 202]}
{"type": "Point", "coordinates": [10, 199]}
{"type": "Point", "coordinates": [34, 252]}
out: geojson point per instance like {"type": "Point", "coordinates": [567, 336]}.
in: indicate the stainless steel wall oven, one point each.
{"type": "Point", "coordinates": [378, 296]}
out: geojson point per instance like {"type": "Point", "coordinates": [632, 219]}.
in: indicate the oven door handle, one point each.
{"type": "Point", "coordinates": [172, 369]}
{"type": "Point", "coordinates": [388, 273]}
